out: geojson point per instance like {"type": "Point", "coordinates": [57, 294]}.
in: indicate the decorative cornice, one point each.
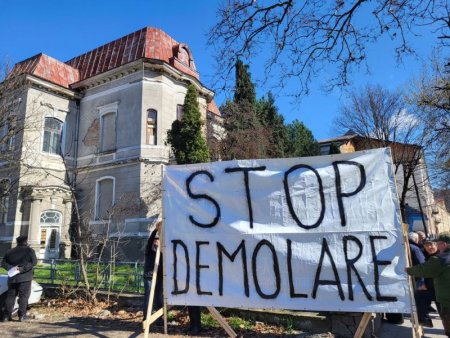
{"type": "Point", "coordinates": [52, 88]}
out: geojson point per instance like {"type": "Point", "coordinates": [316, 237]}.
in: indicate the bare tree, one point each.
{"type": "Point", "coordinates": [301, 37]}
{"type": "Point", "coordinates": [430, 94]}
{"type": "Point", "coordinates": [16, 158]}
{"type": "Point", "coordinates": [379, 118]}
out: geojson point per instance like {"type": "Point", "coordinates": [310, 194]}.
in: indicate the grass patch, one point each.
{"type": "Point", "coordinates": [209, 321]}
{"type": "Point", "coordinates": [115, 277]}
{"type": "Point", "coordinates": [240, 323]}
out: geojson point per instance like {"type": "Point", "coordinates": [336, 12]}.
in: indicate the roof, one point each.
{"type": "Point", "coordinates": [338, 139]}
{"type": "Point", "coordinates": [148, 42]}
{"type": "Point", "coordinates": [151, 43]}
{"type": "Point", "coordinates": [48, 68]}
{"type": "Point", "coordinates": [212, 107]}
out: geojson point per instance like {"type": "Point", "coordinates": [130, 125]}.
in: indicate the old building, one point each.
{"type": "Point", "coordinates": [420, 209]}
{"type": "Point", "coordinates": [86, 138]}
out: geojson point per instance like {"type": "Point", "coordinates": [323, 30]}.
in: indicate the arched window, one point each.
{"type": "Point", "coordinates": [52, 136]}
{"type": "Point", "coordinates": [51, 217]}
{"type": "Point", "coordinates": [152, 118]}
{"type": "Point", "coordinates": [180, 111]}
{"type": "Point", "coordinates": [104, 197]}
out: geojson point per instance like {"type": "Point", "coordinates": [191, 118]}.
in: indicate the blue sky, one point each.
{"type": "Point", "coordinates": [63, 29]}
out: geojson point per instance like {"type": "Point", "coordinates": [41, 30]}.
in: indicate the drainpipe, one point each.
{"type": "Point", "coordinates": [420, 205]}
{"type": "Point", "coordinates": [77, 127]}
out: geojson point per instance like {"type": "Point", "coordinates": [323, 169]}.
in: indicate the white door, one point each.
{"type": "Point", "coordinates": [50, 234]}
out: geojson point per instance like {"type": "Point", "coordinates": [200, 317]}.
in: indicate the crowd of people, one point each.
{"type": "Point", "coordinates": [430, 260]}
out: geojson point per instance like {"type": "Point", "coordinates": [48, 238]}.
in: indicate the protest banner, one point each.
{"type": "Point", "coordinates": [317, 233]}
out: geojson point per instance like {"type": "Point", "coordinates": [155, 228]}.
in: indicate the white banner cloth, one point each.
{"type": "Point", "coordinates": [316, 233]}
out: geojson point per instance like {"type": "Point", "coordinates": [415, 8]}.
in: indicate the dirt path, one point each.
{"type": "Point", "coordinates": [72, 327]}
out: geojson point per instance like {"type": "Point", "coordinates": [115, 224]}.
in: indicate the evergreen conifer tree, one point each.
{"type": "Point", "coordinates": [273, 123]}
{"type": "Point", "coordinates": [245, 137]}
{"type": "Point", "coordinates": [186, 137]}
{"type": "Point", "coordinates": [300, 141]}
{"type": "Point", "coordinates": [245, 89]}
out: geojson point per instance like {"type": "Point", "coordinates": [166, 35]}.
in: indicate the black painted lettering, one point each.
{"type": "Point", "coordinates": [176, 290]}
{"type": "Point", "coordinates": [292, 292]}
{"type": "Point", "coordinates": [222, 251]}
{"type": "Point", "coordinates": [204, 196]}
{"type": "Point", "coordinates": [276, 270]}
{"type": "Point", "coordinates": [377, 263]}
{"type": "Point", "coordinates": [289, 200]}
{"type": "Point", "coordinates": [198, 267]}
{"type": "Point", "coordinates": [247, 187]}
{"type": "Point", "coordinates": [339, 193]}
{"type": "Point", "coordinates": [350, 263]}
{"type": "Point", "coordinates": [336, 281]}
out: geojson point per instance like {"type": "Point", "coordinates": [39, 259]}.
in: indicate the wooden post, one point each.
{"type": "Point", "coordinates": [151, 318]}
{"type": "Point", "coordinates": [417, 330]}
{"type": "Point", "coordinates": [161, 243]}
{"type": "Point", "coordinates": [217, 316]}
{"type": "Point", "coordinates": [366, 317]}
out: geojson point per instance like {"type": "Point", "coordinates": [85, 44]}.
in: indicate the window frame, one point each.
{"type": "Point", "coordinates": [98, 181]}
{"type": "Point", "coordinates": [180, 112]}
{"type": "Point", "coordinates": [111, 108]}
{"type": "Point", "coordinates": [4, 201]}
{"type": "Point", "coordinates": [151, 126]}
{"type": "Point", "coordinates": [59, 150]}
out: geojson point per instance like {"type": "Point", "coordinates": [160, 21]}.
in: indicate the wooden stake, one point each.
{"type": "Point", "coordinates": [151, 318]}
{"type": "Point", "coordinates": [217, 316]}
{"type": "Point", "coordinates": [417, 330]}
{"type": "Point", "coordinates": [366, 317]}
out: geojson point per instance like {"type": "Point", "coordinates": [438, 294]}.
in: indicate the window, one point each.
{"type": "Point", "coordinates": [104, 197]}
{"type": "Point", "coordinates": [8, 135]}
{"type": "Point", "coordinates": [183, 56]}
{"type": "Point", "coordinates": [11, 138]}
{"type": "Point", "coordinates": [52, 240]}
{"type": "Point", "coordinates": [51, 217]}
{"type": "Point", "coordinates": [180, 111]}
{"type": "Point", "coordinates": [108, 132]}
{"type": "Point", "coordinates": [151, 126]}
{"type": "Point", "coordinates": [52, 136]}
{"type": "Point", "coordinates": [4, 200]}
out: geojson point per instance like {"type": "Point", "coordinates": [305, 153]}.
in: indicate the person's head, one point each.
{"type": "Point", "coordinates": [443, 241]}
{"type": "Point", "coordinates": [430, 246]}
{"type": "Point", "coordinates": [413, 237]}
{"type": "Point", "coordinates": [22, 240]}
{"type": "Point", "coordinates": [422, 236]}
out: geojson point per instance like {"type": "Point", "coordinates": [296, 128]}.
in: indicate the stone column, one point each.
{"type": "Point", "coordinates": [66, 245]}
{"type": "Point", "coordinates": [34, 235]}
{"type": "Point", "coordinates": [17, 219]}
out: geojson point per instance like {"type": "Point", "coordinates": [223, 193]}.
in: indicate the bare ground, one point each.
{"type": "Point", "coordinates": [76, 318]}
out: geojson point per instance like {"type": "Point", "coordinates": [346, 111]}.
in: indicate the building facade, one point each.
{"type": "Point", "coordinates": [88, 144]}
{"type": "Point", "coordinates": [421, 211]}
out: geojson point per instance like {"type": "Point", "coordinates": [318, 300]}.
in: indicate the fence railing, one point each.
{"type": "Point", "coordinates": [112, 276]}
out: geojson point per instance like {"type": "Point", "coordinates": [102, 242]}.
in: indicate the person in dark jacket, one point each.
{"type": "Point", "coordinates": [19, 260]}
{"type": "Point", "coordinates": [417, 257]}
{"type": "Point", "coordinates": [438, 268]}
{"type": "Point", "coordinates": [149, 265]}
{"type": "Point", "coordinates": [426, 296]}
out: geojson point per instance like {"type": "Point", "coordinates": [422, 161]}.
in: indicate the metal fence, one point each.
{"type": "Point", "coordinates": [112, 276]}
